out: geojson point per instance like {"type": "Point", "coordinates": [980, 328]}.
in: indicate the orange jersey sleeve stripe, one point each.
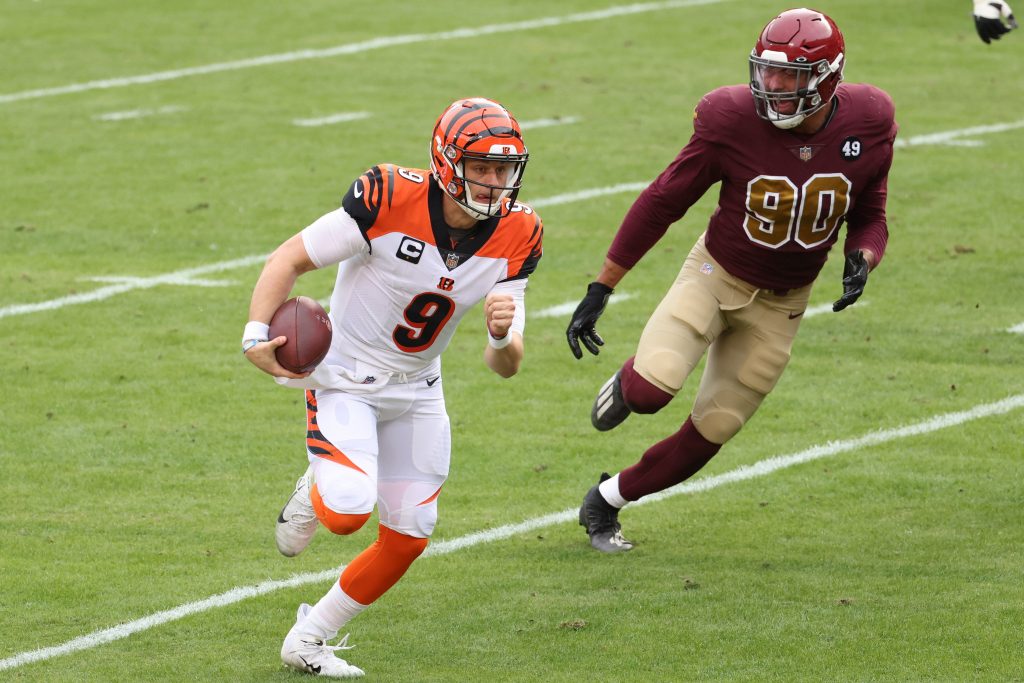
{"type": "Point", "coordinates": [406, 209]}
{"type": "Point", "coordinates": [518, 237]}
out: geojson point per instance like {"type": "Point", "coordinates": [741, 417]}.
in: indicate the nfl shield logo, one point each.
{"type": "Point", "coordinates": [805, 154]}
{"type": "Point", "coordinates": [451, 261]}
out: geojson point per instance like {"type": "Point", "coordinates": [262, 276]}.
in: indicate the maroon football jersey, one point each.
{"type": "Point", "coordinates": [784, 195]}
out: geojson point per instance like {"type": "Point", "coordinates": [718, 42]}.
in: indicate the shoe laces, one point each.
{"type": "Point", "coordinates": [304, 513]}
{"type": "Point", "coordinates": [618, 539]}
{"type": "Point", "coordinates": [340, 645]}
{"type": "Point", "coordinates": [321, 644]}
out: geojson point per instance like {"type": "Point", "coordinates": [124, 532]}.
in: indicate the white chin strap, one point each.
{"type": "Point", "coordinates": [478, 214]}
{"type": "Point", "coordinates": [475, 208]}
{"type": "Point", "coordinates": [786, 123]}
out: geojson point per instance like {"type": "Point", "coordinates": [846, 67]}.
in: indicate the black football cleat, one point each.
{"type": "Point", "coordinates": [601, 521]}
{"type": "Point", "coordinates": [610, 408]}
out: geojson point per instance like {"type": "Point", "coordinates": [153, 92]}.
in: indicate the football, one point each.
{"type": "Point", "coordinates": [308, 329]}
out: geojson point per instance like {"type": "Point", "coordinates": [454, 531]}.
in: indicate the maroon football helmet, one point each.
{"type": "Point", "coordinates": [796, 66]}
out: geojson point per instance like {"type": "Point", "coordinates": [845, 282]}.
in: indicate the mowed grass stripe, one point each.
{"type": "Point", "coordinates": [438, 548]}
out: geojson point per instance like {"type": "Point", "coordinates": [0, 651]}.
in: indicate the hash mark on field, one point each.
{"type": "Point", "coordinates": [355, 48]}
{"type": "Point", "coordinates": [137, 113]}
{"type": "Point", "coordinates": [570, 306]}
{"type": "Point", "coordinates": [344, 117]}
{"type": "Point", "coordinates": [758, 469]}
{"type": "Point", "coordinates": [1017, 329]}
{"type": "Point", "coordinates": [546, 123]}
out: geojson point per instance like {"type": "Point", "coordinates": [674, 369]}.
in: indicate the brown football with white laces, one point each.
{"type": "Point", "coordinates": [308, 329]}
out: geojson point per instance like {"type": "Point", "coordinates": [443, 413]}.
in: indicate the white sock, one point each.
{"type": "Point", "coordinates": [609, 489]}
{"type": "Point", "coordinates": [333, 611]}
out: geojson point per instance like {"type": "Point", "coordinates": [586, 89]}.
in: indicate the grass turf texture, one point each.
{"type": "Point", "coordinates": [144, 461]}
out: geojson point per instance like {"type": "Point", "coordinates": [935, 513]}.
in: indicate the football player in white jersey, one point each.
{"type": "Point", "coordinates": [416, 249]}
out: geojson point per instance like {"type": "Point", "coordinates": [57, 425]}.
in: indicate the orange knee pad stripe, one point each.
{"type": "Point", "coordinates": [380, 566]}
{"type": "Point", "coordinates": [336, 522]}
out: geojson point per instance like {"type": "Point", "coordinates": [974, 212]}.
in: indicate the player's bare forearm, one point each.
{"type": "Point", "coordinates": [611, 273]}
{"type": "Point", "coordinates": [278, 277]}
{"type": "Point", "coordinates": [506, 360]}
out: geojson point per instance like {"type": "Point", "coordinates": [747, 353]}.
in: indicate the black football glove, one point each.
{"type": "Point", "coordinates": [855, 276]}
{"type": "Point", "coordinates": [581, 327]}
{"type": "Point", "coordinates": [988, 19]}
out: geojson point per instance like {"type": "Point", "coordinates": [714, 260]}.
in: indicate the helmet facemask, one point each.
{"type": "Point", "coordinates": [814, 85]}
{"type": "Point", "coordinates": [460, 188]}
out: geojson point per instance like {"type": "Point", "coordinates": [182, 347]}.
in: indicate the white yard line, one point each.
{"type": "Point", "coordinates": [1017, 329]}
{"type": "Point", "coordinates": [185, 277]}
{"type": "Point", "coordinates": [343, 117]}
{"type": "Point", "coordinates": [127, 284]}
{"type": "Point", "coordinates": [583, 195]}
{"type": "Point", "coordinates": [568, 307]}
{"type": "Point", "coordinates": [438, 548]}
{"type": "Point", "coordinates": [950, 137]}
{"type": "Point", "coordinates": [355, 48]}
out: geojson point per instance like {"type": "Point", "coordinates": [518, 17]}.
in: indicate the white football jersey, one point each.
{"type": "Point", "coordinates": [402, 286]}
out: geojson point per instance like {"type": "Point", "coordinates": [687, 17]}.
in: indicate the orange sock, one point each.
{"type": "Point", "coordinates": [380, 566]}
{"type": "Point", "coordinates": [336, 522]}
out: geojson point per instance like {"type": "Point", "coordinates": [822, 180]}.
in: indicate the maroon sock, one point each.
{"type": "Point", "coordinates": [667, 463]}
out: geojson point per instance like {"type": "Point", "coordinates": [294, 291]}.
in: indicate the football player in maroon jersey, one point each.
{"type": "Point", "coordinates": [798, 153]}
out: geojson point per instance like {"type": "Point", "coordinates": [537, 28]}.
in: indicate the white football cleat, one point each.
{"type": "Point", "coordinates": [310, 654]}
{"type": "Point", "coordinates": [297, 521]}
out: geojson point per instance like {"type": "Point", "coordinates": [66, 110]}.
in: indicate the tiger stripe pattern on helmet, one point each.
{"type": "Point", "coordinates": [477, 128]}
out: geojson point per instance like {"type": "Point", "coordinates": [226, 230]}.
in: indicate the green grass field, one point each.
{"type": "Point", "coordinates": [144, 461]}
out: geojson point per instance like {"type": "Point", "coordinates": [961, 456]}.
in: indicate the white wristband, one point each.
{"type": "Point", "coordinates": [256, 330]}
{"type": "Point", "coordinates": [499, 343]}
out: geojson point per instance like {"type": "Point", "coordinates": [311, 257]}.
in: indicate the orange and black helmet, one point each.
{"type": "Point", "coordinates": [478, 128]}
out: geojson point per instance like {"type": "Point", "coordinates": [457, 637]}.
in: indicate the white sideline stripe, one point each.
{"type": "Point", "coordinates": [333, 118]}
{"type": "Point", "coordinates": [546, 123]}
{"type": "Point", "coordinates": [127, 284]}
{"type": "Point", "coordinates": [758, 469]}
{"type": "Point", "coordinates": [949, 137]}
{"type": "Point", "coordinates": [1017, 329]}
{"type": "Point", "coordinates": [137, 113]}
{"type": "Point", "coordinates": [355, 48]}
